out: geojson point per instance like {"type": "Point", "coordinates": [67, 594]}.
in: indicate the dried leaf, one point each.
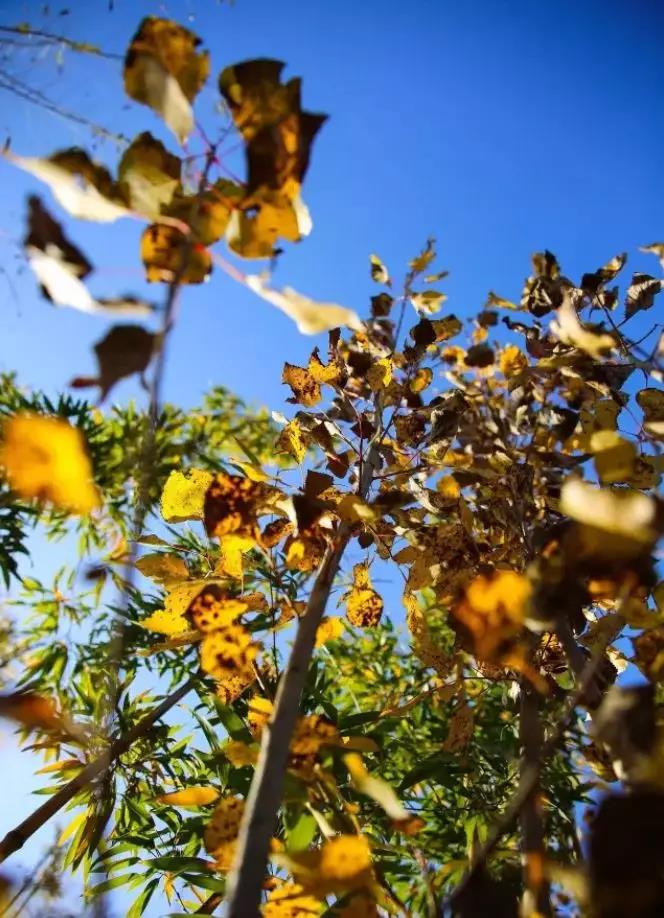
{"type": "Point", "coordinates": [82, 187]}
{"type": "Point", "coordinates": [170, 257]}
{"type": "Point", "coordinates": [364, 606]}
{"type": "Point", "coordinates": [125, 350]}
{"type": "Point", "coordinates": [310, 316]}
{"type": "Point", "coordinates": [148, 175]}
{"type": "Point", "coordinates": [163, 70]}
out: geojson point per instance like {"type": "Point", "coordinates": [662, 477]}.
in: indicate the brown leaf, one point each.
{"type": "Point", "coordinates": [125, 350]}
{"type": "Point", "coordinates": [169, 256]}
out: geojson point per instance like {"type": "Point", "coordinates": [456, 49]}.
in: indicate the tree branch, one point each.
{"type": "Point", "coordinates": [17, 837]}
{"type": "Point", "coordinates": [532, 829]}
{"type": "Point", "coordinates": [529, 777]}
{"type": "Point", "coordinates": [246, 879]}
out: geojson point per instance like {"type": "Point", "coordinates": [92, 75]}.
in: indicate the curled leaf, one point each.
{"type": "Point", "coordinates": [310, 316]}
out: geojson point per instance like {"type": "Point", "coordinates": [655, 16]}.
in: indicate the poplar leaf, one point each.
{"type": "Point", "coordinates": [183, 497]}
{"type": "Point", "coordinates": [310, 316]}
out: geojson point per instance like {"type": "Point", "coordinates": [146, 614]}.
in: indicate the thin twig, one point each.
{"type": "Point", "coordinates": [17, 837]}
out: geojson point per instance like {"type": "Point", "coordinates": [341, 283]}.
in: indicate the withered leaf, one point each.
{"type": "Point", "coordinates": [125, 350]}
{"type": "Point", "coordinates": [169, 256]}
{"type": "Point", "coordinates": [84, 188]}
{"type": "Point", "coordinates": [162, 69]}
{"type": "Point", "coordinates": [641, 293]}
{"type": "Point", "coordinates": [149, 175]}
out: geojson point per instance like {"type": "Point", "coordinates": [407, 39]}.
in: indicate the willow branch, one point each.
{"type": "Point", "coordinates": [246, 879]}
{"type": "Point", "coordinates": [17, 837]}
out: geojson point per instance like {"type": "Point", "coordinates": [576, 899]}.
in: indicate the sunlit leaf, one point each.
{"type": "Point", "coordinates": [46, 458]}
{"type": "Point", "coordinates": [189, 797]}
{"type": "Point", "coordinates": [183, 496]}
{"type": "Point", "coordinates": [310, 316]}
{"type": "Point", "coordinates": [148, 175]}
{"type": "Point", "coordinates": [162, 69]}
{"type": "Point", "coordinates": [169, 256]}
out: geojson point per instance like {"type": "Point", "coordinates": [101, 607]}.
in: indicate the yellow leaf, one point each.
{"type": "Point", "coordinates": [494, 611]}
{"type": "Point", "coordinates": [512, 360]}
{"type": "Point", "coordinates": [292, 441]}
{"type": "Point", "coordinates": [164, 568]}
{"type": "Point", "coordinates": [189, 797]}
{"type": "Point", "coordinates": [379, 374]}
{"type": "Point", "coordinates": [364, 606]}
{"type": "Point", "coordinates": [422, 379]}
{"type": "Point", "coordinates": [45, 458]}
{"type": "Point", "coordinates": [379, 272]}
{"type": "Point", "coordinates": [614, 456]}
{"type": "Point", "coordinates": [183, 497]}
{"type": "Point", "coordinates": [569, 329]}
{"type": "Point", "coordinates": [353, 509]}
{"type": "Point", "coordinates": [290, 901]}
{"type": "Point", "coordinates": [69, 830]}
{"type": "Point", "coordinates": [310, 316]}
{"type": "Point", "coordinates": [228, 651]}
{"type": "Point", "coordinates": [330, 629]}
{"type": "Point", "coordinates": [623, 513]}
{"type": "Point", "coordinates": [163, 70]}
{"type": "Point", "coordinates": [381, 792]}
{"type": "Point", "coordinates": [240, 754]}
{"type": "Point", "coordinates": [340, 865]}
{"type": "Point", "coordinates": [168, 255]}
{"type": "Point", "coordinates": [213, 609]}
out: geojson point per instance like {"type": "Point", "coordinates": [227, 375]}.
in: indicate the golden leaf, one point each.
{"type": "Point", "coordinates": [189, 797]}
{"type": "Point", "coordinates": [45, 458]}
{"type": "Point", "coordinates": [163, 70]}
{"type": "Point", "coordinates": [569, 329]}
{"type": "Point", "coordinates": [291, 440]}
{"type": "Point", "coordinates": [305, 382]}
{"type": "Point", "coordinates": [620, 513]}
{"type": "Point", "coordinates": [164, 568]}
{"type": "Point", "coordinates": [30, 710]}
{"type": "Point", "coordinates": [379, 272]}
{"type": "Point", "coordinates": [379, 374]}
{"type": "Point", "coordinates": [207, 214]}
{"type": "Point", "coordinates": [364, 606]}
{"type": "Point", "coordinates": [183, 497]}
{"type": "Point", "coordinates": [330, 629]}
{"type": "Point", "coordinates": [340, 865]}
{"type": "Point", "coordinates": [512, 361]}
{"type": "Point", "coordinates": [290, 901]}
{"type": "Point", "coordinates": [493, 611]}
{"type": "Point", "coordinates": [427, 302]}
{"type": "Point", "coordinates": [382, 793]}
{"type": "Point", "coordinates": [422, 379]}
{"type": "Point", "coordinates": [614, 456]}
{"type": "Point", "coordinates": [222, 831]}
{"type": "Point", "coordinates": [232, 505]}
{"type": "Point", "coordinates": [168, 255]}
{"type": "Point", "coordinates": [213, 609]}
{"type": "Point", "coordinates": [227, 652]}
{"type": "Point", "coordinates": [240, 754]}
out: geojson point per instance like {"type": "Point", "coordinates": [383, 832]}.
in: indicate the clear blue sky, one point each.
{"type": "Point", "coordinates": [500, 126]}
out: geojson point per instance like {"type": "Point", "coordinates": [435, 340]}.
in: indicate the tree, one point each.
{"type": "Point", "coordinates": [352, 773]}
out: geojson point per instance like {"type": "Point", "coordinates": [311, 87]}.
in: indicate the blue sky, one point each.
{"type": "Point", "coordinates": [500, 126]}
